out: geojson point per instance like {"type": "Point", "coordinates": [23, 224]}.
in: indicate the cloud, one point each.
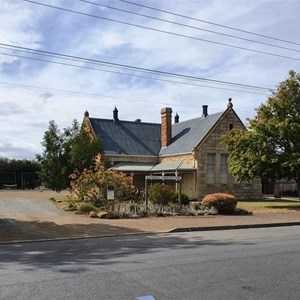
{"type": "Point", "coordinates": [25, 112]}
{"type": "Point", "coordinates": [47, 95]}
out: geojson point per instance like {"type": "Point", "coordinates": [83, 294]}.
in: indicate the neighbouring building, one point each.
{"type": "Point", "coordinates": [190, 149]}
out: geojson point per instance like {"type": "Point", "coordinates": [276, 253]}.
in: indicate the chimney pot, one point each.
{"type": "Point", "coordinates": [204, 107]}
{"type": "Point", "coordinates": [115, 114]}
{"type": "Point", "coordinates": [176, 118]}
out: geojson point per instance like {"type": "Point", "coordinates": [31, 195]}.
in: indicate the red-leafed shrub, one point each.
{"type": "Point", "coordinates": [223, 203]}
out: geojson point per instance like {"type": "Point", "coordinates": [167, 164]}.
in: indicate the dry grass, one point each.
{"type": "Point", "coordinates": [266, 205]}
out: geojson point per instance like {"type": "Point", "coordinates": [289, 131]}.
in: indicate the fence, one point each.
{"type": "Point", "coordinates": [19, 180]}
{"type": "Point", "coordinates": [287, 188]}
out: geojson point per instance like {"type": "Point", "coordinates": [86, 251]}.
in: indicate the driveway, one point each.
{"type": "Point", "coordinates": [30, 215]}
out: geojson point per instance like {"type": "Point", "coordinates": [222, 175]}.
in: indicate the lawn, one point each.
{"type": "Point", "coordinates": [269, 205]}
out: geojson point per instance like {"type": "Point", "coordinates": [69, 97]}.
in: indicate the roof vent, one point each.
{"type": "Point", "coordinates": [138, 121]}
{"type": "Point", "coordinates": [176, 118]}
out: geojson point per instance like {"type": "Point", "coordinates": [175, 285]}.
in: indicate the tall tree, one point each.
{"type": "Point", "coordinates": [85, 147]}
{"type": "Point", "coordinates": [270, 149]}
{"type": "Point", "coordinates": [64, 152]}
{"type": "Point", "coordinates": [53, 160]}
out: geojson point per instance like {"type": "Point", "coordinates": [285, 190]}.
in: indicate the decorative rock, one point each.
{"type": "Point", "coordinates": [93, 214]}
{"type": "Point", "coordinates": [102, 214]}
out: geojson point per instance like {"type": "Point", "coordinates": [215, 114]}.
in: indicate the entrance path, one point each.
{"type": "Point", "coordinates": [30, 215]}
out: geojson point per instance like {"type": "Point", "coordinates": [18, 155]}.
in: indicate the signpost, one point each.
{"type": "Point", "coordinates": [110, 192]}
{"type": "Point", "coordinates": [153, 177]}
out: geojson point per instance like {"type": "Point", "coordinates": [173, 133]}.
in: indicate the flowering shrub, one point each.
{"type": "Point", "coordinates": [91, 185]}
{"type": "Point", "coordinates": [223, 203]}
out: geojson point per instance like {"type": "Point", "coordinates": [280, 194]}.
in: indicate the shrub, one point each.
{"type": "Point", "coordinates": [71, 207]}
{"type": "Point", "coordinates": [195, 205]}
{"type": "Point", "coordinates": [242, 212]}
{"type": "Point", "coordinates": [86, 208]}
{"type": "Point", "coordinates": [223, 203]}
{"type": "Point", "coordinates": [161, 194]}
{"type": "Point", "coordinates": [91, 185]}
{"type": "Point", "coordinates": [175, 207]}
{"type": "Point", "coordinates": [184, 199]}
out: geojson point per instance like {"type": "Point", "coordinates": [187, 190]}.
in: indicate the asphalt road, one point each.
{"type": "Point", "coordinates": [235, 264]}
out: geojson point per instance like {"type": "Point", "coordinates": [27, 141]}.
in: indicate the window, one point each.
{"type": "Point", "coordinates": [230, 126]}
{"type": "Point", "coordinates": [211, 168]}
{"type": "Point", "coordinates": [223, 169]}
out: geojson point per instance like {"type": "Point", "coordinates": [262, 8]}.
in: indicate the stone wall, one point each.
{"type": "Point", "coordinates": [212, 145]}
{"type": "Point", "coordinates": [130, 158]}
{"type": "Point", "coordinates": [187, 158]}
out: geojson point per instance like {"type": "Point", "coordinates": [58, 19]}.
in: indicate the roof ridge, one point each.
{"type": "Point", "coordinates": [125, 121]}
{"type": "Point", "coordinates": [201, 117]}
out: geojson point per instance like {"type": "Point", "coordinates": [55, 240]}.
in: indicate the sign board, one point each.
{"type": "Point", "coordinates": [110, 193]}
{"type": "Point", "coordinates": [153, 177]}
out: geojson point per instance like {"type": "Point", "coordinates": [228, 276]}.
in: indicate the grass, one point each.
{"type": "Point", "coordinates": [269, 205]}
{"type": "Point", "coordinates": [65, 202]}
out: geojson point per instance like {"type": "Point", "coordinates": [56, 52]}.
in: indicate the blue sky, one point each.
{"type": "Point", "coordinates": [25, 112]}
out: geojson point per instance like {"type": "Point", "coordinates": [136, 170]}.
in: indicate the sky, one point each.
{"type": "Point", "coordinates": [35, 88]}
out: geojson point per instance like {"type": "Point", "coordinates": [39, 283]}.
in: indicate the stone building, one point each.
{"type": "Point", "coordinates": [190, 150]}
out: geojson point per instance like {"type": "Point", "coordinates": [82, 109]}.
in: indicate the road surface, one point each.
{"type": "Point", "coordinates": [232, 264]}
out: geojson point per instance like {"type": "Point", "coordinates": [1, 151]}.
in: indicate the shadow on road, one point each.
{"type": "Point", "coordinates": [76, 256]}
{"type": "Point", "coordinates": [19, 230]}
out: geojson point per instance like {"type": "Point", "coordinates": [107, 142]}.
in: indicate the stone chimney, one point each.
{"type": "Point", "coordinates": [176, 119]}
{"type": "Point", "coordinates": [115, 114]}
{"type": "Point", "coordinates": [204, 108]}
{"type": "Point", "coordinates": [166, 126]}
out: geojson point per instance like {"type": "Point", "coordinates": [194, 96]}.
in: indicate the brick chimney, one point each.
{"type": "Point", "coordinates": [166, 126]}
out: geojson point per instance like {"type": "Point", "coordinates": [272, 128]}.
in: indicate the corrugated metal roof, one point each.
{"type": "Point", "coordinates": [164, 166]}
{"type": "Point", "coordinates": [131, 167]}
{"type": "Point", "coordinates": [129, 138]}
{"type": "Point", "coordinates": [138, 138]}
{"type": "Point", "coordinates": [172, 166]}
{"type": "Point", "coordinates": [188, 134]}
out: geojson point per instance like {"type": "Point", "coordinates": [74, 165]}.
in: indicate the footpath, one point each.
{"type": "Point", "coordinates": [30, 216]}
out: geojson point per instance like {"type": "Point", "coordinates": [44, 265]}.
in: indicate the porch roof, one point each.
{"type": "Point", "coordinates": [147, 167]}
{"type": "Point", "coordinates": [131, 167]}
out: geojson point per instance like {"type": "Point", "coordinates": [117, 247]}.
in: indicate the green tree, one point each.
{"type": "Point", "coordinates": [53, 160]}
{"type": "Point", "coordinates": [84, 149]}
{"type": "Point", "coordinates": [270, 149]}
{"type": "Point", "coordinates": [18, 165]}
{"type": "Point", "coordinates": [64, 152]}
